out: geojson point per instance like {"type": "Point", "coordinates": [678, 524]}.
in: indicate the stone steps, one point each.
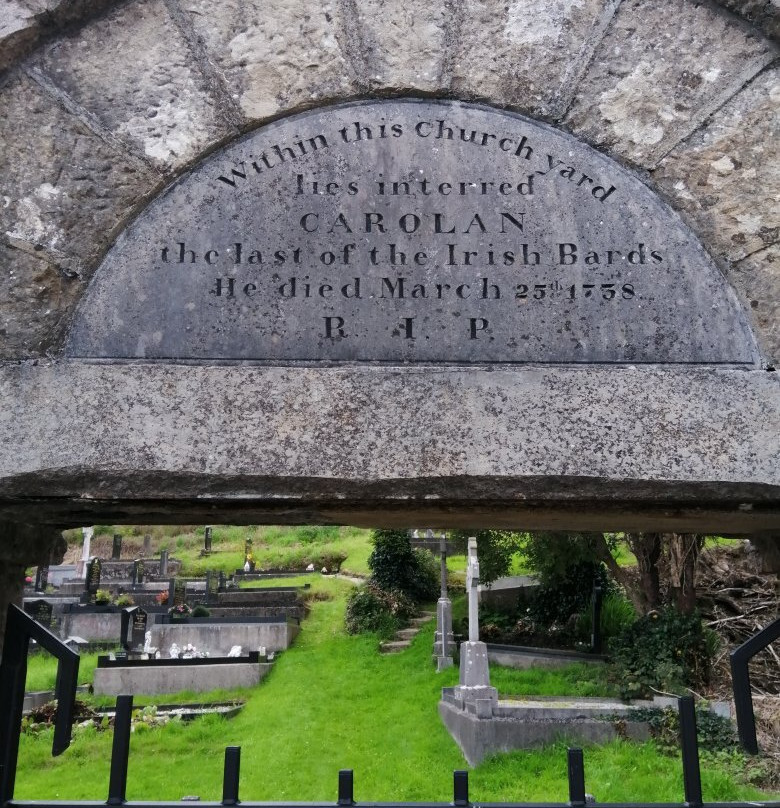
{"type": "Point", "coordinates": [402, 639]}
{"type": "Point", "coordinates": [394, 646]}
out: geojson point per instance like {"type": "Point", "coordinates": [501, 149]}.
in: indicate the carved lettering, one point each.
{"type": "Point", "coordinates": [410, 231]}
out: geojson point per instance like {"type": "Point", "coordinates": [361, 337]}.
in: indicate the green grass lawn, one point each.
{"type": "Point", "coordinates": [332, 702]}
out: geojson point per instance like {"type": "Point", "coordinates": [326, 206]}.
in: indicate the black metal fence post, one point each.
{"type": "Point", "coordinates": [690, 752]}
{"type": "Point", "coordinates": [596, 643]}
{"type": "Point", "coordinates": [230, 777]}
{"type": "Point", "coordinates": [576, 771]}
{"type": "Point", "coordinates": [346, 787]}
{"type": "Point", "coordinates": [120, 750]}
{"type": "Point", "coordinates": [460, 783]}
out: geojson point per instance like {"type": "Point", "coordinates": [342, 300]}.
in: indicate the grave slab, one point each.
{"type": "Point", "coordinates": [173, 679]}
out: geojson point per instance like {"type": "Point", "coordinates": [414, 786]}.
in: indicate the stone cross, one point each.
{"type": "Point", "coordinates": [444, 642]}
{"type": "Point", "coordinates": [472, 582]}
{"type": "Point", "coordinates": [443, 557]}
{"type": "Point", "coordinates": [81, 567]}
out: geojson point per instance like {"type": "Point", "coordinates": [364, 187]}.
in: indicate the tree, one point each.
{"type": "Point", "coordinates": [666, 563]}
{"type": "Point", "coordinates": [495, 549]}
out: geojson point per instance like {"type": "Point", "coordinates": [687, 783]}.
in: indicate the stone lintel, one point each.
{"type": "Point", "coordinates": [639, 448]}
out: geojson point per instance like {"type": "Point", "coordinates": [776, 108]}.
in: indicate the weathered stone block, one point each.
{"type": "Point", "coordinates": [37, 297]}
{"type": "Point", "coordinates": [65, 189]}
{"type": "Point", "coordinates": [643, 93]}
{"type": "Point", "coordinates": [18, 29]}
{"type": "Point", "coordinates": [23, 23]}
{"type": "Point", "coordinates": [757, 279]}
{"type": "Point", "coordinates": [764, 14]}
{"type": "Point", "coordinates": [275, 54]}
{"type": "Point", "coordinates": [133, 70]}
{"type": "Point", "coordinates": [590, 448]}
{"type": "Point", "coordinates": [726, 176]}
{"type": "Point", "coordinates": [405, 42]}
{"type": "Point", "coordinates": [523, 53]}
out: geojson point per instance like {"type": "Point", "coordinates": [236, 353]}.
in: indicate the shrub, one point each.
{"type": "Point", "coordinates": [665, 651]}
{"type": "Point", "coordinates": [391, 558]}
{"type": "Point", "coordinates": [424, 580]}
{"type": "Point", "coordinates": [617, 614]}
{"type": "Point", "coordinates": [370, 608]}
{"type": "Point", "coordinates": [124, 600]}
{"type": "Point", "coordinates": [568, 593]}
{"type": "Point", "coordinates": [395, 565]}
{"type": "Point", "coordinates": [714, 733]}
{"type": "Point", "coordinates": [567, 567]}
{"type": "Point", "coordinates": [200, 611]}
{"type": "Point", "coordinates": [102, 597]}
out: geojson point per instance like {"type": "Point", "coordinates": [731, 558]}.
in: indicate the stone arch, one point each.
{"type": "Point", "coordinates": [103, 110]}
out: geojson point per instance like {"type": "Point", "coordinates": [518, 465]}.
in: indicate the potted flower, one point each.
{"type": "Point", "coordinates": [180, 612]}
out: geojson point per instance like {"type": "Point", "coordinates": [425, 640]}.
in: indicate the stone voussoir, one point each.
{"type": "Point", "coordinates": [505, 50]}
{"type": "Point", "coordinates": [169, 115]}
{"type": "Point", "coordinates": [642, 95]}
{"type": "Point", "coordinates": [274, 55]}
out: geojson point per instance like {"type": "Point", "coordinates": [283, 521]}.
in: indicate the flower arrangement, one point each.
{"type": "Point", "coordinates": [161, 598]}
{"type": "Point", "coordinates": [180, 611]}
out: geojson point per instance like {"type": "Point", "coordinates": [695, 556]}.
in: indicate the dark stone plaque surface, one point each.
{"type": "Point", "coordinates": [92, 581]}
{"type": "Point", "coordinates": [138, 628]}
{"type": "Point", "coordinates": [40, 611]}
{"type": "Point", "coordinates": [410, 231]}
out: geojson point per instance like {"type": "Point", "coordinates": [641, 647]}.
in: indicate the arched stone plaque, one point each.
{"type": "Point", "coordinates": [410, 231]}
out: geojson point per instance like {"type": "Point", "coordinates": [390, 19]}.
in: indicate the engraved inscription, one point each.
{"type": "Point", "coordinates": [410, 231]}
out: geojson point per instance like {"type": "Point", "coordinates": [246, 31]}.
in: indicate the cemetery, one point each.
{"type": "Point", "coordinates": [480, 708]}
{"type": "Point", "coordinates": [169, 634]}
{"type": "Point", "coordinates": [389, 408]}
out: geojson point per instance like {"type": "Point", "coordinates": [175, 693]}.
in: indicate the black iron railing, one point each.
{"type": "Point", "coordinates": [740, 677]}
{"type": "Point", "coordinates": [20, 628]}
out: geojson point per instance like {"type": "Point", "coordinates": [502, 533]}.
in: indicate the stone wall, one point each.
{"type": "Point", "coordinates": [106, 103]}
{"type": "Point", "coordinates": [114, 104]}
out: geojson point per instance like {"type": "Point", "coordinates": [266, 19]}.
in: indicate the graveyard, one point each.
{"type": "Point", "coordinates": [321, 699]}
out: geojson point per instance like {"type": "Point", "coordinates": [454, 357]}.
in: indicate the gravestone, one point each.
{"type": "Point", "coordinates": [179, 592]}
{"type": "Point", "coordinates": [40, 611]}
{"type": "Point", "coordinates": [163, 563]}
{"type": "Point", "coordinates": [138, 572]}
{"type": "Point", "coordinates": [92, 582]}
{"type": "Point", "coordinates": [116, 547]}
{"type": "Point", "coordinates": [444, 640]}
{"type": "Point", "coordinates": [249, 558]}
{"type": "Point", "coordinates": [147, 551]}
{"type": "Point", "coordinates": [138, 628]}
{"type": "Point", "coordinates": [207, 534]}
{"type": "Point", "coordinates": [474, 676]}
{"type": "Point", "coordinates": [212, 586]}
{"type": "Point", "coordinates": [41, 577]}
{"type": "Point", "coordinates": [411, 231]}
{"type": "Point", "coordinates": [222, 581]}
